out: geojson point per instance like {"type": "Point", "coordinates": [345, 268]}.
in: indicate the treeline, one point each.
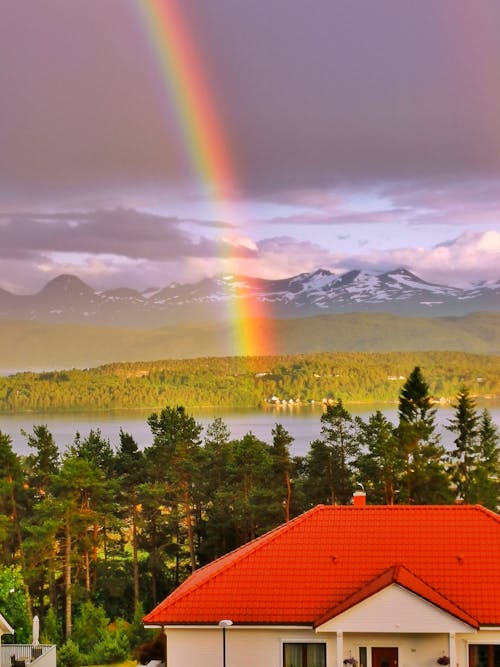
{"type": "Point", "coordinates": [247, 381]}
{"type": "Point", "coordinates": [95, 533]}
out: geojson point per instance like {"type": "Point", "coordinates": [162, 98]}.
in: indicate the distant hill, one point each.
{"type": "Point", "coordinates": [250, 382]}
{"type": "Point", "coordinates": [68, 300]}
{"type": "Point", "coordinates": [37, 345]}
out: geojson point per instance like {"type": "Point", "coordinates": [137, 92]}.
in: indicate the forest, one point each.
{"type": "Point", "coordinates": [250, 382]}
{"type": "Point", "coordinates": [92, 538]}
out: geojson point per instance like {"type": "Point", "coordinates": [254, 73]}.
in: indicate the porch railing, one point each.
{"type": "Point", "coordinates": [19, 654]}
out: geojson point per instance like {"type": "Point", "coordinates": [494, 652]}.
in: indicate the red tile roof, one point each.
{"type": "Point", "coordinates": [329, 558]}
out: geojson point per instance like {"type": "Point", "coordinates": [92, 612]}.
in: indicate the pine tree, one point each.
{"type": "Point", "coordinates": [11, 482]}
{"type": "Point", "coordinates": [79, 503]}
{"type": "Point", "coordinates": [249, 476]}
{"type": "Point", "coordinates": [129, 467]}
{"type": "Point", "coordinates": [175, 457]}
{"type": "Point", "coordinates": [328, 466]}
{"type": "Point", "coordinates": [381, 464]}
{"type": "Point", "coordinates": [218, 528]}
{"type": "Point", "coordinates": [280, 453]}
{"type": "Point", "coordinates": [13, 500]}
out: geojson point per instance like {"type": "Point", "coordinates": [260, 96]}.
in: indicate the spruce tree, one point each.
{"type": "Point", "coordinates": [425, 479]}
{"type": "Point", "coordinates": [487, 481]}
{"type": "Point", "coordinates": [464, 457]}
{"type": "Point", "coordinates": [44, 462]}
{"type": "Point", "coordinates": [328, 466]}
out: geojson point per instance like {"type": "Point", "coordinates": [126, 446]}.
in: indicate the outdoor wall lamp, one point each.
{"type": "Point", "coordinates": [225, 623]}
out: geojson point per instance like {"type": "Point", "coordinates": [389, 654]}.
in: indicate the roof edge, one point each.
{"type": "Point", "coordinates": [189, 587]}
{"type": "Point", "coordinates": [9, 630]}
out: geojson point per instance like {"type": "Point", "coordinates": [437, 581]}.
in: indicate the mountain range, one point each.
{"type": "Point", "coordinates": [68, 300]}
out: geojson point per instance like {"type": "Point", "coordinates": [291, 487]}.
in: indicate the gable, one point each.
{"type": "Point", "coordinates": [394, 609]}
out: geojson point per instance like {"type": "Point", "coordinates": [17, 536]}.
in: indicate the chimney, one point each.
{"type": "Point", "coordinates": [359, 499]}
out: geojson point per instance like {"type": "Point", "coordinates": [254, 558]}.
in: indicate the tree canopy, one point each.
{"type": "Point", "coordinates": [90, 533]}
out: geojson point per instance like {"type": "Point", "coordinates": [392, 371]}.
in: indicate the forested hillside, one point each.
{"type": "Point", "coordinates": [248, 381]}
{"type": "Point", "coordinates": [35, 345]}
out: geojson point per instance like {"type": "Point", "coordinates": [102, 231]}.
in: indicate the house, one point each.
{"type": "Point", "coordinates": [377, 586]}
{"type": "Point", "coordinates": [21, 655]}
{"type": "Point", "coordinates": [5, 629]}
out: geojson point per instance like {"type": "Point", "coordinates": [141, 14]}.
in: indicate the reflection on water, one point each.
{"type": "Point", "coordinates": [303, 423]}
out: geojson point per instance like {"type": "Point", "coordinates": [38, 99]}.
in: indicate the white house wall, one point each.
{"type": "Point", "coordinates": [394, 609]}
{"type": "Point", "coordinates": [418, 650]}
{"type": "Point", "coordinates": [413, 650]}
{"type": "Point", "coordinates": [251, 647]}
{"type": "Point", "coordinates": [245, 647]}
{"type": "Point", "coordinates": [482, 637]}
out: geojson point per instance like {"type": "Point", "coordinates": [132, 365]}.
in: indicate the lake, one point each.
{"type": "Point", "coordinates": [303, 423]}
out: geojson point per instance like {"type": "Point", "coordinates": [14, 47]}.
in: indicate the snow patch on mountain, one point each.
{"type": "Point", "coordinates": [68, 299]}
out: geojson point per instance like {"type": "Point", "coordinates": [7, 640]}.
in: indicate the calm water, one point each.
{"type": "Point", "coordinates": [302, 423]}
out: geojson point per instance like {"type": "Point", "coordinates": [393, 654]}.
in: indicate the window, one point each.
{"type": "Point", "coordinates": [304, 655]}
{"type": "Point", "coordinates": [484, 655]}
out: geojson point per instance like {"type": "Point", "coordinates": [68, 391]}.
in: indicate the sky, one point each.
{"type": "Point", "coordinates": [146, 141]}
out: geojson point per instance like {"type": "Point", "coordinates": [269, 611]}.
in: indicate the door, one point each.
{"type": "Point", "coordinates": [385, 657]}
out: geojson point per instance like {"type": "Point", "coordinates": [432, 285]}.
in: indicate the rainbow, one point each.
{"type": "Point", "coordinates": [185, 85]}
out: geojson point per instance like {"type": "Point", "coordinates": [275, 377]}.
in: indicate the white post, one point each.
{"type": "Point", "coordinates": [453, 659]}
{"type": "Point", "coordinates": [340, 648]}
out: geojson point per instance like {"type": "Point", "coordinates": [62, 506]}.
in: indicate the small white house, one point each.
{"type": "Point", "coordinates": [374, 586]}
{"type": "Point", "coordinates": [5, 628]}
{"type": "Point", "coordinates": [22, 655]}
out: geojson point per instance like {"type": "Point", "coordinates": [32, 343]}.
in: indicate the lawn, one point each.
{"type": "Point", "coordinates": [125, 663]}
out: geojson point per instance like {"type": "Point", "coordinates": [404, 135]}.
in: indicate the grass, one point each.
{"type": "Point", "coordinates": [125, 663]}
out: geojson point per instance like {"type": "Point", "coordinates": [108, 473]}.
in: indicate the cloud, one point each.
{"type": "Point", "coordinates": [126, 233]}
{"type": "Point", "coordinates": [465, 260]}
{"type": "Point", "coordinates": [347, 92]}
{"type": "Point", "coordinates": [469, 258]}
{"type": "Point", "coordinates": [284, 256]}
{"type": "Point", "coordinates": [470, 202]}
{"type": "Point", "coordinates": [351, 119]}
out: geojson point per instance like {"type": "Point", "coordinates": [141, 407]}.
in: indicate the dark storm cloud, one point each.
{"type": "Point", "coordinates": [79, 111]}
{"type": "Point", "coordinates": [309, 94]}
{"type": "Point", "coordinates": [121, 232]}
{"type": "Point", "coordinates": [352, 91]}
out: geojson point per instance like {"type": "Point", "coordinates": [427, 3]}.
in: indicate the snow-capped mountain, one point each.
{"type": "Point", "coordinates": [68, 299]}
